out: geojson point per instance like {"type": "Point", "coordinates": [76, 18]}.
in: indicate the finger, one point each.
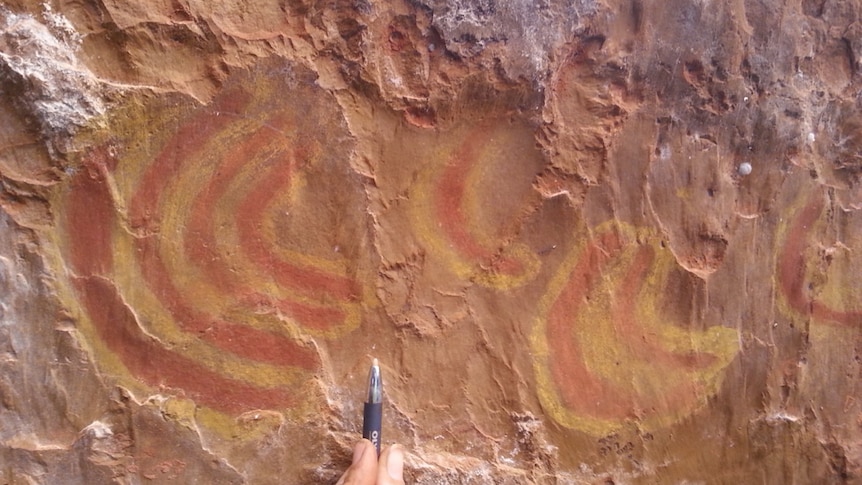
{"type": "Point", "coordinates": [390, 471]}
{"type": "Point", "coordinates": [363, 468]}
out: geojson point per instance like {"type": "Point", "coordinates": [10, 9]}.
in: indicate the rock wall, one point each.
{"type": "Point", "coordinates": [590, 241]}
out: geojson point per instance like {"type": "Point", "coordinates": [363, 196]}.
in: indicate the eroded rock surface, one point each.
{"type": "Point", "coordinates": [590, 242]}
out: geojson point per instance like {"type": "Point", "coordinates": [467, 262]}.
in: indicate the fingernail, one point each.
{"type": "Point", "coordinates": [358, 451]}
{"type": "Point", "coordinates": [395, 465]}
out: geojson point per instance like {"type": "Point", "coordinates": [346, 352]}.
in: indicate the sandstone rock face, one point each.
{"type": "Point", "coordinates": [590, 242]}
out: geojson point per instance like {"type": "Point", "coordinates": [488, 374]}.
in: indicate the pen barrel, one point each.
{"type": "Point", "coordinates": [373, 418]}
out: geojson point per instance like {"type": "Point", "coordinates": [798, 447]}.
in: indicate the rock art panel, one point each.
{"type": "Point", "coordinates": [590, 242]}
{"type": "Point", "coordinates": [460, 212]}
{"type": "Point", "coordinates": [815, 267]}
{"type": "Point", "coordinates": [607, 350]}
{"type": "Point", "coordinates": [453, 205]}
{"type": "Point", "coordinates": [817, 285]}
{"type": "Point", "coordinates": [205, 262]}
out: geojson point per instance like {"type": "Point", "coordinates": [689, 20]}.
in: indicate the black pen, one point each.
{"type": "Point", "coordinates": [373, 412]}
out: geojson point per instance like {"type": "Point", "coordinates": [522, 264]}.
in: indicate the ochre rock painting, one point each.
{"type": "Point", "coordinates": [589, 242]}
{"type": "Point", "coordinates": [817, 284]}
{"type": "Point", "coordinates": [606, 349]}
{"type": "Point", "coordinates": [197, 261]}
{"type": "Point", "coordinates": [815, 271]}
{"type": "Point", "coordinates": [454, 212]}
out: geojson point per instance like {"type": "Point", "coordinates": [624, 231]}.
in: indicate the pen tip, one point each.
{"type": "Point", "coordinates": [375, 362]}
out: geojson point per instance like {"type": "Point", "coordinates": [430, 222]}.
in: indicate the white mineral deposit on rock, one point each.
{"type": "Point", "coordinates": [99, 429]}
{"type": "Point", "coordinates": [60, 91]}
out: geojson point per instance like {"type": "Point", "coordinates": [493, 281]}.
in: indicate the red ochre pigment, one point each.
{"type": "Point", "coordinates": [579, 390]}
{"type": "Point", "coordinates": [310, 281]}
{"type": "Point", "coordinates": [241, 340]}
{"type": "Point", "coordinates": [183, 146]}
{"type": "Point", "coordinates": [200, 241]}
{"type": "Point", "coordinates": [262, 346]}
{"type": "Point", "coordinates": [449, 200]}
{"type": "Point", "coordinates": [157, 366]}
{"type": "Point", "coordinates": [90, 217]}
{"type": "Point", "coordinates": [792, 265]}
{"type": "Point", "coordinates": [640, 343]}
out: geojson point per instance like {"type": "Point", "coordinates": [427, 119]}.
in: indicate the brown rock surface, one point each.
{"type": "Point", "coordinates": [590, 242]}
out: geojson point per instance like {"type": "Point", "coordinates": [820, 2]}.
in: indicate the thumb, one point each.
{"type": "Point", "coordinates": [364, 466]}
{"type": "Point", "coordinates": [390, 470]}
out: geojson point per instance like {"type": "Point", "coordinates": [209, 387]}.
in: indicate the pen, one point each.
{"type": "Point", "coordinates": [373, 412]}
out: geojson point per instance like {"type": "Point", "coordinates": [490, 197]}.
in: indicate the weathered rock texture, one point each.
{"type": "Point", "coordinates": [539, 216]}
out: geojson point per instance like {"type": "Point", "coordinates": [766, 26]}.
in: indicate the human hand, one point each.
{"type": "Point", "coordinates": [366, 469]}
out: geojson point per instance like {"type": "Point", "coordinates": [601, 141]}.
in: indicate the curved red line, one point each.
{"type": "Point", "coordinates": [89, 218]}
{"type": "Point", "coordinates": [188, 140]}
{"type": "Point", "coordinates": [157, 366]}
{"type": "Point", "coordinates": [791, 272]}
{"type": "Point", "coordinates": [200, 241]}
{"type": "Point", "coordinates": [626, 322]}
{"type": "Point", "coordinates": [822, 312]}
{"type": "Point", "coordinates": [249, 218]}
{"type": "Point", "coordinates": [89, 215]}
{"type": "Point", "coordinates": [449, 201]}
{"type": "Point", "coordinates": [792, 261]}
{"type": "Point", "coordinates": [579, 390]}
{"type": "Point", "coordinates": [309, 316]}
{"type": "Point", "coordinates": [243, 341]}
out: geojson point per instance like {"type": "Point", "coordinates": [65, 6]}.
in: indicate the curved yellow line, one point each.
{"type": "Point", "coordinates": [228, 242]}
{"type": "Point", "coordinates": [423, 216]}
{"type": "Point", "coordinates": [604, 354]}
